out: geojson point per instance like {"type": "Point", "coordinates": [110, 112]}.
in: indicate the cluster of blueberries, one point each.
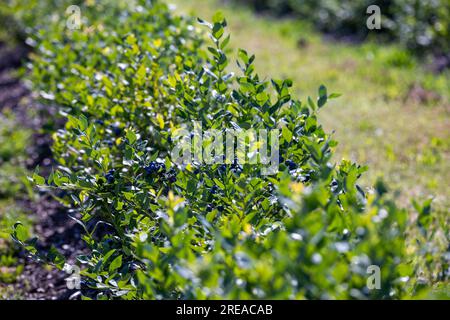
{"type": "Point", "coordinates": [117, 130]}
{"type": "Point", "coordinates": [110, 176]}
{"type": "Point", "coordinates": [156, 167]}
{"type": "Point", "coordinates": [210, 208]}
{"type": "Point", "coordinates": [291, 164]}
{"type": "Point", "coordinates": [153, 168]}
{"type": "Point", "coordinates": [235, 167]}
{"type": "Point", "coordinates": [214, 189]}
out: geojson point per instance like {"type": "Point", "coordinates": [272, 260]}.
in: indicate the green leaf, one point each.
{"type": "Point", "coordinates": [218, 17]}
{"type": "Point", "coordinates": [217, 31]}
{"type": "Point", "coordinates": [20, 232]}
{"type": "Point", "coordinates": [219, 183]}
{"type": "Point", "coordinates": [322, 91]}
{"type": "Point", "coordinates": [243, 56]}
{"type": "Point", "coordinates": [56, 257]}
{"type": "Point", "coordinates": [334, 95]}
{"type": "Point", "coordinates": [83, 122]}
{"type": "Point", "coordinates": [311, 104]}
{"type": "Point", "coordinates": [225, 42]}
{"type": "Point", "coordinates": [115, 264]}
{"type": "Point", "coordinates": [140, 74]}
{"type": "Point", "coordinates": [321, 101]}
{"type": "Point", "coordinates": [287, 134]}
{"type": "Point", "coordinates": [131, 136]}
{"type": "Point", "coordinates": [107, 255]}
{"type": "Point", "coordinates": [38, 179]}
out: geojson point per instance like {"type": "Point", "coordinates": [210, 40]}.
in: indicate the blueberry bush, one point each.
{"type": "Point", "coordinates": [134, 74]}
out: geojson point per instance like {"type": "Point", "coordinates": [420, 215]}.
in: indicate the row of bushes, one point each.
{"type": "Point", "coordinates": [422, 26]}
{"type": "Point", "coordinates": [125, 82]}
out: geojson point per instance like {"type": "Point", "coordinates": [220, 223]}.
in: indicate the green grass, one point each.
{"type": "Point", "coordinates": [13, 186]}
{"type": "Point", "coordinates": [380, 120]}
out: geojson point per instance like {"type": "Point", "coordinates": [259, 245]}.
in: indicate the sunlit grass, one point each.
{"type": "Point", "coordinates": [13, 142]}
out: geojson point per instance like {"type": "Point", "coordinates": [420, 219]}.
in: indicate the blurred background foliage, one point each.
{"type": "Point", "coordinates": [421, 26]}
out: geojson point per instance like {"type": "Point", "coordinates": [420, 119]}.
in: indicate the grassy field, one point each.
{"type": "Point", "coordinates": [13, 141]}
{"type": "Point", "coordinates": [393, 114]}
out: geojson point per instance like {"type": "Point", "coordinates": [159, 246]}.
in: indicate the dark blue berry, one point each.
{"type": "Point", "coordinates": [214, 189]}
{"type": "Point", "coordinates": [116, 130]}
{"type": "Point", "coordinates": [220, 208]}
{"type": "Point", "coordinates": [237, 170]}
{"type": "Point", "coordinates": [110, 176]}
{"type": "Point", "coordinates": [148, 170]}
{"type": "Point", "coordinates": [100, 122]}
{"type": "Point", "coordinates": [209, 208]}
{"type": "Point", "coordinates": [154, 167]}
{"type": "Point", "coordinates": [291, 164]}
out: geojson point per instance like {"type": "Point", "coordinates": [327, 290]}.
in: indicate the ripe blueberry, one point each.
{"type": "Point", "coordinates": [110, 176]}
{"type": "Point", "coordinates": [291, 164]}
{"type": "Point", "coordinates": [116, 130]}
